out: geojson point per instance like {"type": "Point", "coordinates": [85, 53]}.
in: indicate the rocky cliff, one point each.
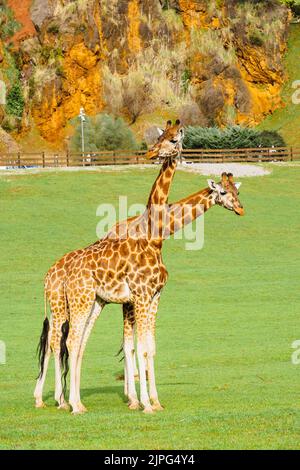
{"type": "Point", "coordinates": [213, 62]}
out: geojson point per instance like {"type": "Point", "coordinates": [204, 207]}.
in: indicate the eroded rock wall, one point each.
{"type": "Point", "coordinates": [231, 64]}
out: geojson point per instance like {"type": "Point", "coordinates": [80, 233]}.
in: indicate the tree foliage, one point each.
{"type": "Point", "coordinates": [15, 101]}
{"type": "Point", "coordinates": [103, 132]}
{"type": "Point", "coordinates": [230, 137]}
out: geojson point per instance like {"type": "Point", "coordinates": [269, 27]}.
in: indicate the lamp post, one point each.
{"type": "Point", "coordinates": [82, 119]}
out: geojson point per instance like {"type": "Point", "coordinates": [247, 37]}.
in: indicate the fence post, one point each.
{"type": "Point", "coordinates": [43, 159]}
{"type": "Point", "coordinates": [67, 158]}
{"type": "Point", "coordinates": [291, 153]}
{"type": "Point", "coordinates": [19, 160]}
{"type": "Point", "coordinates": [114, 157]}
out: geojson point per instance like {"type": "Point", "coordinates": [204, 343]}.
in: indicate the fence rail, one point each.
{"type": "Point", "coordinates": [45, 159]}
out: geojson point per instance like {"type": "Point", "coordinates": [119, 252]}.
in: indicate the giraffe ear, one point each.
{"type": "Point", "coordinates": [237, 185]}
{"type": "Point", "coordinates": [212, 185]}
{"type": "Point", "coordinates": [160, 131]}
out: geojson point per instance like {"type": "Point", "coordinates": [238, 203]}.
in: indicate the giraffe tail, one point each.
{"type": "Point", "coordinates": [44, 339]}
{"type": "Point", "coordinates": [43, 346]}
{"type": "Point", "coordinates": [64, 354]}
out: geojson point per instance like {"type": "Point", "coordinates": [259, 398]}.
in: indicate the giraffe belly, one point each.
{"type": "Point", "coordinates": [119, 294]}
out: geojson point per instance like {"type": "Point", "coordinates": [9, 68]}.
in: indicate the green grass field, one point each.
{"type": "Point", "coordinates": [227, 319]}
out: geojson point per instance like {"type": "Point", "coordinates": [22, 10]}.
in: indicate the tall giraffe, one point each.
{"type": "Point", "coordinates": [168, 146]}
{"type": "Point", "coordinates": [177, 215]}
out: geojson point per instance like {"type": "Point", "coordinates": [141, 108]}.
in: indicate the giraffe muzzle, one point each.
{"type": "Point", "coordinates": [239, 210]}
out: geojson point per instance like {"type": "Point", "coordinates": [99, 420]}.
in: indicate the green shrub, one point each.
{"type": "Point", "coordinates": [60, 71]}
{"type": "Point", "coordinates": [9, 26]}
{"type": "Point", "coordinates": [104, 132]}
{"type": "Point", "coordinates": [230, 137]}
{"type": "Point", "coordinates": [270, 138]}
{"type": "Point", "coordinates": [256, 39]}
{"type": "Point", "coordinates": [15, 101]}
{"type": "Point", "coordinates": [53, 29]}
{"type": "Point", "coordinates": [294, 5]}
{"type": "Point", "coordinates": [8, 124]}
{"type": "Point", "coordinates": [186, 80]}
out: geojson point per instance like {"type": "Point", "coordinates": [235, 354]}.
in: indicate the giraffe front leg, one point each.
{"type": "Point", "coordinates": [129, 353]}
{"type": "Point", "coordinates": [73, 398]}
{"type": "Point", "coordinates": [156, 406]}
{"type": "Point", "coordinates": [133, 402]}
{"type": "Point", "coordinates": [141, 317]}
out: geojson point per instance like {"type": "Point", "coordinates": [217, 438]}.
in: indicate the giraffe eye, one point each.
{"type": "Point", "coordinates": [223, 192]}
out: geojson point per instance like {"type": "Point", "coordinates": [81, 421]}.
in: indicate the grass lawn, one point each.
{"type": "Point", "coordinates": [286, 120]}
{"type": "Point", "coordinates": [227, 319]}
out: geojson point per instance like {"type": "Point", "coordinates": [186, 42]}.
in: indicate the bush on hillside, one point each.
{"type": "Point", "coordinates": [15, 101]}
{"type": "Point", "coordinates": [294, 5]}
{"type": "Point", "coordinates": [103, 132]}
{"type": "Point", "coordinates": [230, 137]}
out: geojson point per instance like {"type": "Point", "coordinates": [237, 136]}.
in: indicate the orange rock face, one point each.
{"type": "Point", "coordinates": [68, 44]}
{"type": "Point", "coordinates": [134, 40]}
{"type": "Point", "coordinates": [21, 10]}
{"type": "Point", "coordinates": [81, 87]}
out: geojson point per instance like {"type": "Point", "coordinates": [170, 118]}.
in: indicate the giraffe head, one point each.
{"type": "Point", "coordinates": [226, 193]}
{"type": "Point", "coordinates": [169, 143]}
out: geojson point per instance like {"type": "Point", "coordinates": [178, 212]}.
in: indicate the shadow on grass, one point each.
{"type": "Point", "coordinates": [87, 392]}
{"type": "Point", "coordinates": [115, 389]}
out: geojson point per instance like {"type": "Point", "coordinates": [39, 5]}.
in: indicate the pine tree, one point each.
{"type": "Point", "coordinates": [15, 101]}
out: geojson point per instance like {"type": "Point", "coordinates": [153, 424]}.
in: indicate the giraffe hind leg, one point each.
{"type": "Point", "coordinates": [60, 328]}
{"type": "Point", "coordinates": [95, 312]}
{"type": "Point", "coordinates": [76, 342]}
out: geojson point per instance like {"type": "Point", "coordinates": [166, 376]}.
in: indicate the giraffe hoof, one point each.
{"type": "Point", "coordinates": [134, 405]}
{"type": "Point", "coordinates": [63, 406]}
{"type": "Point", "coordinates": [77, 413]}
{"type": "Point", "coordinates": [82, 408]}
{"type": "Point", "coordinates": [40, 404]}
{"type": "Point", "coordinates": [157, 407]}
{"type": "Point", "coordinates": [148, 410]}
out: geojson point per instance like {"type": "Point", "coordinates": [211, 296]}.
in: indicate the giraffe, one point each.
{"type": "Point", "coordinates": [169, 145]}
{"type": "Point", "coordinates": [224, 194]}
{"type": "Point", "coordinates": [178, 214]}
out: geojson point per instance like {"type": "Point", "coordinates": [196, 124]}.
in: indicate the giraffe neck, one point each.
{"type": "Point", "coordinates": [161, 188]}
{"type": "Point", "coordinates": [175, 216]}
{"type": "Point", "coordinates": [188, 209]}
{"type": "Point", "coordinates": [157, 201]}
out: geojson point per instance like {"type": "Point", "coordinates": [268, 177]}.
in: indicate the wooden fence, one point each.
{"type": "Point", "coordinates": [45, 159]}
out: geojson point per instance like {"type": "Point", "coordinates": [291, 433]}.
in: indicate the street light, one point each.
{"type": "Point", "coordinates": [82, 119]}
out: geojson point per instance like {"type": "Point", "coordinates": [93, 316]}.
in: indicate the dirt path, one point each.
{"type": "Point", "coordinates": [208, 169]}
{"type": "Point", "coordinates": [216, 169]}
